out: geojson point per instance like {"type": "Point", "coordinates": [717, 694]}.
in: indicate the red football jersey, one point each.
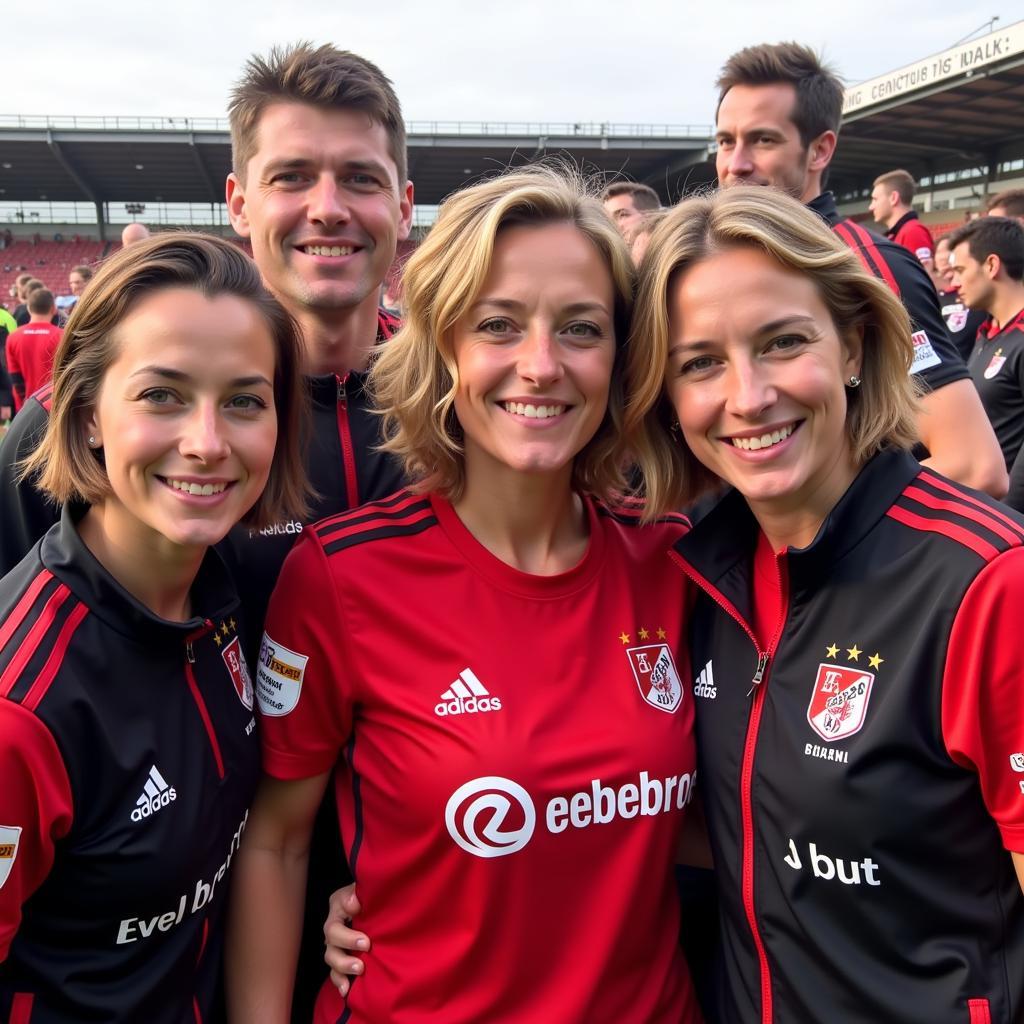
{"type": "Point", "coordinates": [517, 756]}
{"type": "Point", "coordinates": [30, 351]}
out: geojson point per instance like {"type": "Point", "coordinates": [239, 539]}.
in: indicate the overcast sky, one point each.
{"type": "Point", "coordinates": [649, 62]}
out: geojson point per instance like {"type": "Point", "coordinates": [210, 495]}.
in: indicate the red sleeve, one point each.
{"type": "Point", "coordinates": [35, 811]}
{"type": "Point", "coordinates": [917, 238]}
{"type": "Point", "coordinates": [305, 700]}
{"type": "Point", "coordinates": [983, 688]}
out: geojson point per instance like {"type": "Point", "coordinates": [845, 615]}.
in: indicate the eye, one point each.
{"type": "Point", "coordinates": [246, 403]}
{"type": "Point", "coordinates": [697, 365]}
{"type": "Point", "coordinates": [160, 396]}
{"type": "Point", "coordinates": [497, 325]}
{"type": "Point", "coordinates": [786, 343]}
{"type": "Point", "coordinates": [288, 178]}
{"type": "Point", "coordinates": [584, 329]}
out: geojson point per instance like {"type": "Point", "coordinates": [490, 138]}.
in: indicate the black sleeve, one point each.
{"type": "Point", "coordinates": [1015, 495]}
{"type": "Point", "coordinates": [940, 362]}
{"type": "Point", "coordinates": [6, 394]}
{"type": "Point", "coordinates": [25, 514]}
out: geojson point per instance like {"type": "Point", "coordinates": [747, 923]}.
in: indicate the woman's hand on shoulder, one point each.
{"type": "Point", "coordinates": [342, 940]}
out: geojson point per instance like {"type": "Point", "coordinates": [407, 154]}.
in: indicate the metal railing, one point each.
{"type": "Point", "coordinates": [595, 129]}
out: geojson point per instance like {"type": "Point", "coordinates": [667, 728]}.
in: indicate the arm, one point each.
{"type": "Point", "coordinates": [962, 445]}
{"type": "Point", "coordinates": [25, 513]}
{"type": "Point", "coordinates": [268, 890]}
{"type": "Point", "coordinates": [1018, 863]}
{"type": "Point", "coordinates": [1015, 495]}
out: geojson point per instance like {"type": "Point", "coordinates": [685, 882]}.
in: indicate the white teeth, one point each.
{"type": "Point", "coordinates": [533, 412]}
{"type": "Point", "coordinates": [328, 250]}
{"type": "Point", "coordinates": [754, 444]}
{"type": "Point", "coordinates": [204, 490]}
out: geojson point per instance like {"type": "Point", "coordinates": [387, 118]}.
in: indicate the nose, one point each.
{"type": "Point", "coordinates": [539, 360]}
{"type": "Point", "coordinates": [736, 162]}
{"type": "Point", "coordinates": [751, 391]}
{"type": "Point", "coordinates": [203, 437]}
{"type": "Point", "coordinates": [326, 202]}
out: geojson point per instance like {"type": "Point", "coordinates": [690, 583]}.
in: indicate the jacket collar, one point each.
{"type": "Point", "coordinates": [324, 388]}
{"type": "Point", "coordinates": [824, 205]}
{"type": "Point", "coordinates": [721, 544]}
{"type": "Point", "coordinates": [906, 218]}
{"type": "Point", "coordinates": [65, 554]}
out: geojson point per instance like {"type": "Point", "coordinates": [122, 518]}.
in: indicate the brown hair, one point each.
{"type": "Point", "coordinates": [994, 236]}
{"type": "Point", "coordinates": [644, 197]}
{"type": "Point", "coordinates": [819, 90]}
{"type": "Point", "coordinates": [879, 413]}
{"type": "Point", "coordinates": [41, 301]}
{"type": "Point", "coordinates": [85, 272]}
{"type": "Point", "coordinates": [899, 181]}
{"type": "Point", "coordinates": [1011, 200]}
{"type": "Point", "coordinates": [320, 76]}
{"type": "Point", "coordinates": [415, 378]}
{"type": "Point", "coordinates": [66, 467]}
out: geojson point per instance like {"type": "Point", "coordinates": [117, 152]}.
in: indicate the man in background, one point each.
{"type": "Point", "coordinates": [891, 197]}
{"type": "Point", "coordinates": [626, 202]}
{"type": "Point", "coordinates": [30, 348]}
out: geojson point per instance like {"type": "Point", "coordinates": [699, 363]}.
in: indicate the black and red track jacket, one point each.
{"type": "Point", "coordinates": [863, 769]}
{"type": "Point", "coordinates": [936, 359]}
{"type": "Point", "coordinates": [342, 461]}
{"type": "Point", "coordinates": [128, 760]}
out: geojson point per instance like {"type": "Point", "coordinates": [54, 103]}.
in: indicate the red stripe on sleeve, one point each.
{"type": "Point", "coordinates": [21, 1008]}
{"type": "Point", "coordinates": [53, 662]}
{"type": "Point", "coordinates": [22, 608]}
{"type": "Point", "coordinates": [980, 547]}
{"type": "Point", "coordinates": [870, 256]}
{"type": "Point", "coordinates": [944, 485]}
{"type": "Point", "coordinates": [980, 1013]}
{"type": "Point", "coordinates": [976, 515]}
{"type": "Point", "coordinates": [35, 636]}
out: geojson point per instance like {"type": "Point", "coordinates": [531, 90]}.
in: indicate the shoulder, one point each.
{"type": "Point", "coordinates": [965, 526]}
{"type": "Point", "coordinates": [394, 519]}
{"type": "Point", "coordinates": [623, 519]}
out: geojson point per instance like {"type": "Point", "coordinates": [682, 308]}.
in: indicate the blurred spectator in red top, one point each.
{"type": "Point", "coordinates": [890, 205]}
{"type": "Point", "coordinates": [30, 348]}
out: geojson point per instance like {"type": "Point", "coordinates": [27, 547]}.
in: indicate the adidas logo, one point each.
{"type": "Point", "coordinates": [156, 795]}
{"type": "Point", "coordinates": [705, 684]}
{"type": "Point", "coordinates": [466, 696]}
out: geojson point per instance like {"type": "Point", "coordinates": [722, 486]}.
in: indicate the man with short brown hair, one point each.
{"type": "Point", "coordinates": [1009, 203]}
{"type": "Point", "coordinates": [30, 348]}
{"type": "Point", "coordinates": [891, 196]}
{"type": "Point", "coordinates": [626, 202]}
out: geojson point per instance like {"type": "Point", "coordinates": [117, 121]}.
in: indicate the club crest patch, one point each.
{"type": "Point", "coordinates": [957, 320]}
{"type": "Point", "coordinates": [10, 837]}
{"type": "Point", "coordinates": [839, 701]}
{"type": "Point", "coordinates": [995, 365]}
{"type": "Point", "coordinates": [655, 672]}
{"type": "Point", "coordinates": [239, 671]}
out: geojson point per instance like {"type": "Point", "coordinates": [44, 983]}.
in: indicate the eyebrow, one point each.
{"type": "Point", "coordinates": [299, 163]}
{"type": "Point", "coordinates": [574, 308]}
{"type": "Point", "coordinates": [768, 328]}
{"type": "Point", "coordinates": [178, 375]}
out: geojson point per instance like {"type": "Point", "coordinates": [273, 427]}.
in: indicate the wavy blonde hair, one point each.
{"type": "Point", "coordinates": [414, 378]}
{"type": "Point", "coordinates": [880, 412]}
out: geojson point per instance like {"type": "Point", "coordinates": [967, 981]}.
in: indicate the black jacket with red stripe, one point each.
{"type": "Point", "coordinates": [341, 459]}
{"type": "Point", "coordinates": [129, 756]}
{"type": "Point", "coordinates": [862, 795]}
{"type": "Point", "coordinates": [936, 359]}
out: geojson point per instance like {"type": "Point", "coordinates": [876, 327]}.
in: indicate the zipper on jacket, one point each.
{"type": "Point", "coordinates": [204, 713]}
{"type": "Point", "coordinates": [348, 457]}
{"type": "Point", "coordinates": [758, 688]}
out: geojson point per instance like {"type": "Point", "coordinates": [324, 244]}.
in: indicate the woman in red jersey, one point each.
{"type": "Point", "coordinates": [128, 754]}
{"type": "Point", "coordinates": [489, 661]}
{"type": "Point", "coordinates": [857, 667]}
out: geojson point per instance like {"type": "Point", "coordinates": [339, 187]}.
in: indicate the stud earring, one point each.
{"type": "Point", "coordinates": [853, 382]}
{"type": "Point", "coordinates": [92, 441]}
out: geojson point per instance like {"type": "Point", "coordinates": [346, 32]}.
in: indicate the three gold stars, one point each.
{"type": "Point", "coordinates": [853, 654]}
{"type": "Point", "coordinates": [643, 633]}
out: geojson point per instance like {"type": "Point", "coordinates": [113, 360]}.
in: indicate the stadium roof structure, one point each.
{"type": "Point", "coordinates": [957, 109]}
{"type": "Point", "coordinates": [139, 159]}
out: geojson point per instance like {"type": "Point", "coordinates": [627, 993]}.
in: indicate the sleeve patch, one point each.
{"type": "Point", "coordinates": [10, 837]}
{"type": "Point", "coordinates": [279, 678]}
{"type": "Point", "coordinates": [923, 253]}
{"type": "Point", "coordinates": [925, 356]}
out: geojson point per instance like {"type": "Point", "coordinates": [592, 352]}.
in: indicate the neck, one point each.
{"type": "Point", "coordinates": [897, 215]}
{"type": "Point", "coordinates": [40, 318]}
{"type": "Point", "coordinates": [156, 572]}
{"type": "Point", "coordinates": [338, 340]}
{"type": "Point", "coordinates": [812, 189]}
{"type": "Point", "coordinates": [796, 522]}
{"type": "Point", "coordinates": [531, 521]}
{"type": "Point", "coordinates": [1009, 301]}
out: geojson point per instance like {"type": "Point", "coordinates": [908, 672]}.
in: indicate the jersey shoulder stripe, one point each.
{"type": "Point", "coordinates": [403, 514]}
{"type": "Point", "coordinates": [934, 505]}
{"type": "Point", "coordinates": [863, 243]}
{"type": "Point", "coordinates": [44, 396]}
{"type": "Point", "coordinates": [629, 511]}
{"type": "Point", "coordinates": [392, 506]}
{"type": "Point", "coordinates": [388, 325]}
{"type": "Point", "coordinates": [35, 639]}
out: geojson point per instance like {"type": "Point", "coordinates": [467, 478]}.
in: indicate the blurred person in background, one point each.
{"type": "Point", "coordinates": [30, 349]}
{"type": "Point", "coordinates": [1007, 204]}
{"type": "Point", "coordinates": [988, 271]}
{"type": "Point", "coordinates": [962, 322]}
{"type": "Point", "coordinates": [891, 196]}
{"type": "Point", "coordinates": [134, 232]}
{"type": "Point", "coordinates": [627, 201]}
{"type": "Point", "coordinates": [639, 234]}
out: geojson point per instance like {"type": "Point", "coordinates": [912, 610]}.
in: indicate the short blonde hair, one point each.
{"type": "Point", "coordinates": [64, 466]}
{"type": "Point", "coordinates": [880, 412]}
{"type": "Point", "coordinates": [414, 378]}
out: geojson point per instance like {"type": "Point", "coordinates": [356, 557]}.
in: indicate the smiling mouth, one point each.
{"type": "Point", "coordinates": [533, 412]}
{"type": "Point", "coordinates": [328, 250]}
{"type": "Point", "coordinates": [768, 440]}
{"type": "Point", "coordinates": [188, 487]}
